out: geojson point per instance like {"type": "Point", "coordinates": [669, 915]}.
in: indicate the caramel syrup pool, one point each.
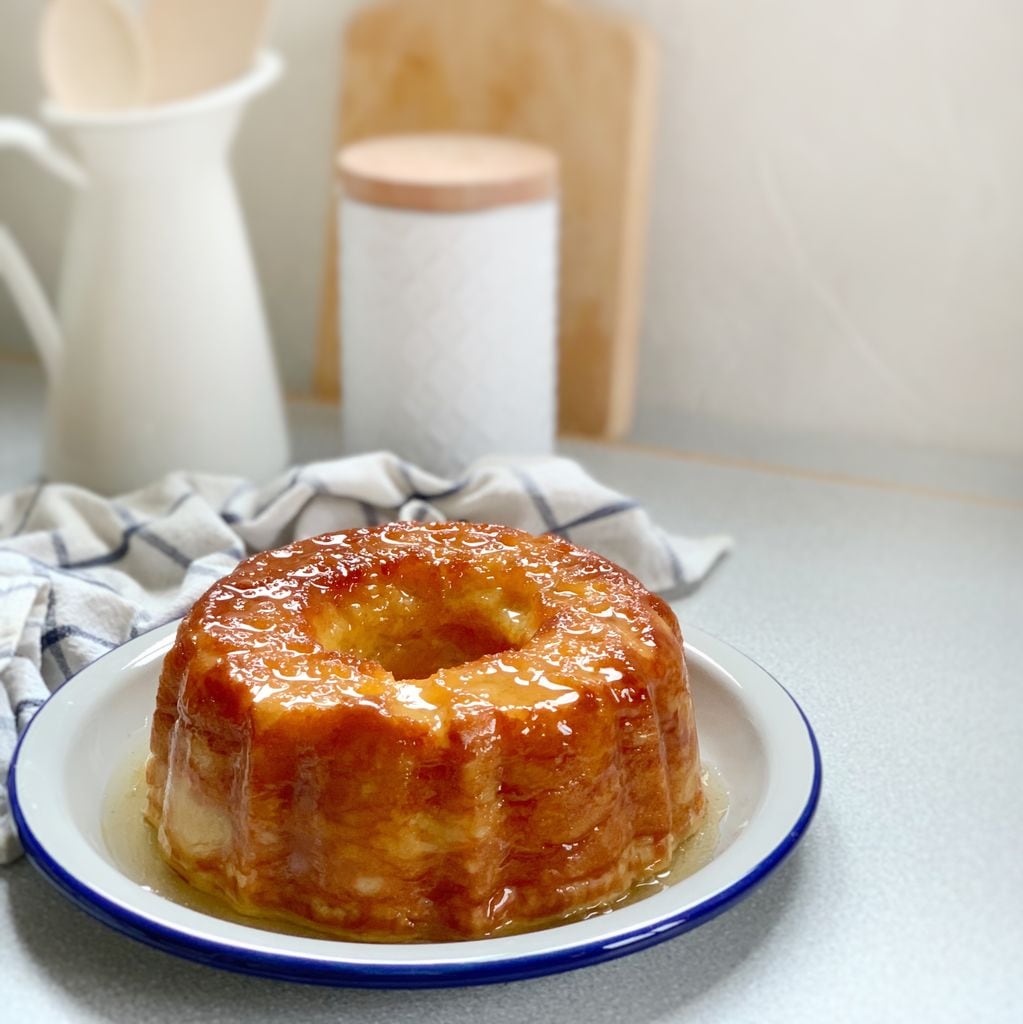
{"type": "Point", "coordinates": [133, 847]}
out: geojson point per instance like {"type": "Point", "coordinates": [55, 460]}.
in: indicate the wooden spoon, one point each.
{"type": "Point", "coordinates": [199, 44]}
{"type": "Point", "coordinates": [93, 55]}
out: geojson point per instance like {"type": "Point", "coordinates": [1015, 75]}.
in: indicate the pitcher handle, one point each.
{"type": "Point", "coordinates": [31, 301]}
{"type": "Point", "coordinates": [15, 269]}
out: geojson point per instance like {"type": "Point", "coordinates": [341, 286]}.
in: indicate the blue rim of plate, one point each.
{"type": "Point", "coordinates": [338, 973]}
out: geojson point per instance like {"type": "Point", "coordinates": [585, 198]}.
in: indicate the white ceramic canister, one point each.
{"type": "Point", "coordinates": [448, 297]}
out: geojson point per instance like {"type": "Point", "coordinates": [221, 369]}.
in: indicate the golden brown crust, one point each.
{"type": "Point", "coordinates": [424, 732]}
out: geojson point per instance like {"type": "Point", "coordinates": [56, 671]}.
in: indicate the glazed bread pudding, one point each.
{"type": "Point", "coordinates": [424, 732]}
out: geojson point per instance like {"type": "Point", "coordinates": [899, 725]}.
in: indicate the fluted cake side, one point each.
{"type": "Point", "coordinates": [422, 732]}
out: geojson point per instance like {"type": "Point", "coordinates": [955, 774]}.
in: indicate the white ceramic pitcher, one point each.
{"type": "Point", "coordinates": [159, 356]}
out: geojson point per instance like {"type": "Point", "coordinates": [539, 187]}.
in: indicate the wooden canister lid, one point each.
{"type": "Point", "coordinates": [447, 172]}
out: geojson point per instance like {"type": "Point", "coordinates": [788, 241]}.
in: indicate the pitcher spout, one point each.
{"type": "Point", "coordinates": [29, 138]}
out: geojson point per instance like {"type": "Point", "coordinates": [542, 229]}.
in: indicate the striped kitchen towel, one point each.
{"type": "Point", "coordinates": [81, 574]}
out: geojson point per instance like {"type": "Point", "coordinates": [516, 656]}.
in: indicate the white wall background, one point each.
{"type": "Point", "coordinates": [837, 232]}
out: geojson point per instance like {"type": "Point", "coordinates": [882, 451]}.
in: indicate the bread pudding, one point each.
{"type": "Point", "coordinates": [424, 733]}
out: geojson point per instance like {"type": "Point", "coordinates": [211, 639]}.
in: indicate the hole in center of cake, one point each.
{"type": "Point", "coordinates": [416, 625]}
{"type": "Point", "coordinates": [420, 653]}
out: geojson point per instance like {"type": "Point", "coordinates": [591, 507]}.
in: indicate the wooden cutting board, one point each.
{"type": "Point", "coordinates": [576, 79]}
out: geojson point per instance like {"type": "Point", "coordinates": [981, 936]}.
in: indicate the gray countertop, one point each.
{"type": "Point", "coordinates": [892, 611]}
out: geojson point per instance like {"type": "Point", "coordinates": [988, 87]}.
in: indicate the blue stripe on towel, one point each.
{"type": "Point", "coordinates": [605, 512]}
{"type": "Point", "coordinates": [288, 484]}
{"type": "Point", "coordinates": [225, 511]}
{"type": "Point", "coordinates": [56, 634]}
{"type": "Point", "coordinates": [29, 509]}
{"type": "Point", "coordinates": [28, 704]}
{"type": "Point", "coordinates": [51, 624]}
{"type": "Point", "coordinates": [165, 548]}
{"type": "Point", "coordinates": [538, 499]}
{"type": "Point", "coordinates": [676, 565]}
{"type": "Point", "coordinates": [47, 568]}
{"type": "Point", "coordinates": [59, 548]}
{"type": "Point", "coordinates": [136, 528]}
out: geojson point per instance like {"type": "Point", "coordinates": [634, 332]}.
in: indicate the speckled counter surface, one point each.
{"type": "Point", "coordinates": [894, 614]}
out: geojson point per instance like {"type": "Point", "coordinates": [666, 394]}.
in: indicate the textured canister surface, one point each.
{"type": "Point", "coordinates": [448, 325]}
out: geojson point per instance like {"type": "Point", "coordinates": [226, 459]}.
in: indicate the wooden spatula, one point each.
{"type": "Point", "coordinates": [199, 44]}
{"type": "Point", "coordinates": [93, 55]}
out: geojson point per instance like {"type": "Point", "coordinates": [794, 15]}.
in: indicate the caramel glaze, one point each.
{"type": "Point", "coordinates": [424, 732]}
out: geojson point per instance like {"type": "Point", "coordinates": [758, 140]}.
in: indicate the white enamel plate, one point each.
{"type": "Point", "coordinates": [750, 729]}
